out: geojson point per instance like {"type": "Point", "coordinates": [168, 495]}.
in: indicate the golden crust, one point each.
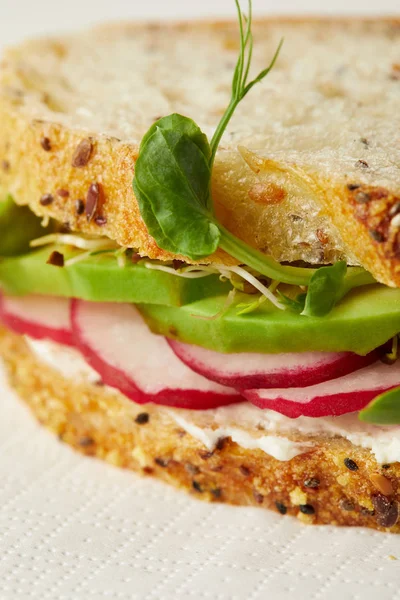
{"type": "Point", "coordinates": [316, 486]}
{"type": "Point", "coordinates": [30, 172]}
{"type": "Point", "coordinates": [364, 216]}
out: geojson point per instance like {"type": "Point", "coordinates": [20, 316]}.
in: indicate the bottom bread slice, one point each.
{"type": "Point", "coordinates": [332, 482]}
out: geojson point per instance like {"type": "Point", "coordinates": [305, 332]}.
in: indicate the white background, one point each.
{"type": "Point", "coordinates": [19, 18]}
{"type": "Point", "coordinates": [72, 528]}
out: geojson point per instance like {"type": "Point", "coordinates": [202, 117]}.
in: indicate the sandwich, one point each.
{"type": "Point", "coordinates": [200, 256]}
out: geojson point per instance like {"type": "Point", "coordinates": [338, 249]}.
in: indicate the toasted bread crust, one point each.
{"type": "Point", "coordinates": [30, 172]}
{"type": "Point", "coordinates": [317, 487]}
{"type": "Point", "coordinates": [38, 157]}
{"type": "Point", "coordinates": [365, 215]}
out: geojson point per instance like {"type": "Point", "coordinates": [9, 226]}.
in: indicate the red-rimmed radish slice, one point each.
{"type": "Point", "coordinates": [39, 317]}
{"type": "Point", "coordinates": [250, 370]}
{"type": "Point", "coordinates": [336, 397]}
{"type": "Point", "coordinates": [117, 343]}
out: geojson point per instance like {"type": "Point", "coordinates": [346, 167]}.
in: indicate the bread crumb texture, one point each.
{"type": "Point", "coordinates": [334, 483]}
{"type": "Point", "coordinates": [307, 170]}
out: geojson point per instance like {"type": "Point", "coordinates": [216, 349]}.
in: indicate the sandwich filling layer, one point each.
{"type": "Point", "coordinates": [244, 423]}
{"type": "Point", "coordinates": [204, 336]}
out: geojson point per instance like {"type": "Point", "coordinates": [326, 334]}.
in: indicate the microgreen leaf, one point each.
{"type": "Point", "coordinates": [172, 185]}
{"type": "Point", "coordinates": [384, 409]}
{"type": "Point", "coordinates": [246, 308]}
{"type": "Point", "coordinates": [184, 126]}
{"type": "Point", "coordinates": [294, 304]}
{"type": "Point", "coordinates": [324, 288]}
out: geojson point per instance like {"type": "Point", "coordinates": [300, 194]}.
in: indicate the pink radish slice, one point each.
{"type": "Point", "coordinates": [117, 343]}
{"type": "Point", "coordinates": [39, 317]}
{"type": "Point", "coordinates": [251, 370]}
{"type": "Point", "coordinates": [336, 397]}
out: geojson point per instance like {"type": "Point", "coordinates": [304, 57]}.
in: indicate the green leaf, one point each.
{"type": "Point", "coordinates": [184, 126]}
{"type": "Point", "coordinates": [172, 185]}
{"type": "Point", "coordinates": [246, 308]}
{"type": "Point", "coordinates": [384, 409]}
{"type": "Point", "coordinates": [18, 226]}
{"type": "Point", "coordinates": [324, 289]}
{"type": "Point", "coordinates": [294, 304]}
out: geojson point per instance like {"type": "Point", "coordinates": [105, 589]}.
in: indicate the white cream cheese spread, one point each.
{"type": "Point", "coordinates": [69, 362]}
{"type": "Point", "coordinates": [236, 420]}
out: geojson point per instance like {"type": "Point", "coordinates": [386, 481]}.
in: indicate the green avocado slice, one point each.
{"type": "Point", "coordinates": [100, 279]}
{"type": "Point", "coordinates": [364, 320]}
{"type": "Point", "coordinates": [18, 226]}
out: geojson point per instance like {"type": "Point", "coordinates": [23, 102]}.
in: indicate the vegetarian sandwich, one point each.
{"type": "Point", "coordinates": [200, 256]}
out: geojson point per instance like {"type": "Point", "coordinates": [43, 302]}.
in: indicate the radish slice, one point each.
{"type": "Point", "coordinates": [117, 343]}
{"type": "Point", "coordinates": [336, 397]}
{"type": "Point", "coordinates": [252, 371]}
{"type": "Point", "coordinates": [39, 317]}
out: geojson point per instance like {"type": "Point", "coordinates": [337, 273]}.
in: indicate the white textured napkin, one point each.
{"type": "Point", "coordinates": [74, 528]}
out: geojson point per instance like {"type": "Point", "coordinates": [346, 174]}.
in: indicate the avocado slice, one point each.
{"type": "Point", "coordinates": [100, 279]}
{"type": "Point", "coordinates": [18, 226]}
{"type": "Point", "coordinates": [364, 320]}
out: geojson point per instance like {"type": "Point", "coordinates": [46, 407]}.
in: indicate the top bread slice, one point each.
{"type": "Point", "coordinates": [308, 169]}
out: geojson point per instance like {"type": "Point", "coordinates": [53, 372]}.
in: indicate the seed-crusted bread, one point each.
{"type": "Point", "coordinates": [332, 482]}
{"type": "Point", "coordinates": [307, 170]}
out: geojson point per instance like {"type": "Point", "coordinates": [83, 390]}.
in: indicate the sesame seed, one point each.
{"type": "Point", "coordinates": [311, 482]}
{"type": "Point", "coordinates": [162, 462]}
{"type": "Point", "coordinates": [307, 509]}
{"type": "Point", "coordinates": [376, 235]}
{"type": "Point", "coordinates": [196, 486]}
{"type": "Point", "coordinates": [381, 483]}
{"type": "Point", "coordinates": [353, 186]}
{"type": "Point", "coordinates": [56, 259]}
{"type": "Point", "coordinates": [79, 207]}
{"type": "Point", "coordinates": [46, 199]}
{"type": "Point", "coordinates": [82, 153]}
{"type": "Point", "coordinates": [281, 508]}
{"type": "Point", "coordinates": [350, 464]}
{"type": "Point", "coordinates": [62, 193]}
{"type": "Point", "coordinates": [93, 200]}
{"type": "Point", "coordinates": [387, 511]}
{"type": "Point", "coordinates": [142, 418]}
{"type": "Point", "coordinates": [245, 471]}
{"type": "Point", "coordinates": [46, 144]}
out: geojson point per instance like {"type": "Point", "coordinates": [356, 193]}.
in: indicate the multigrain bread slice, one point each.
{"type": "Point", "coordinates": [331, 482]}
{"type": "Point", "coordinates": [307, 170]}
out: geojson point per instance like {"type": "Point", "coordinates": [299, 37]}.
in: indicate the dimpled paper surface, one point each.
{"type": "Point", "coordinates": [73, 527]}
